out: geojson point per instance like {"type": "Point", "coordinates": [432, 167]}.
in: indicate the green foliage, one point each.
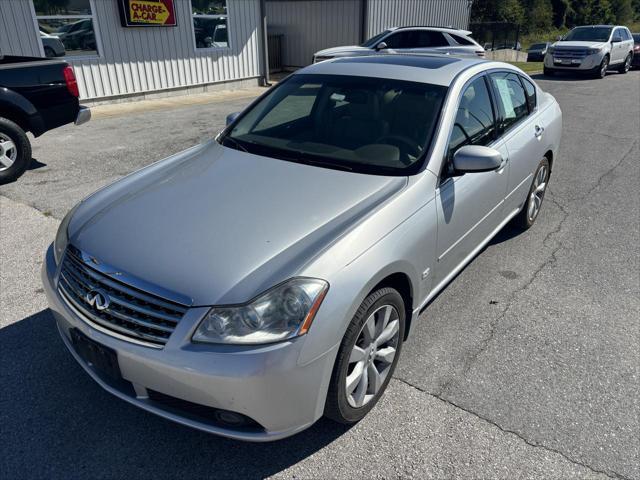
{"type": "Point", "coordinates": [547, 17]}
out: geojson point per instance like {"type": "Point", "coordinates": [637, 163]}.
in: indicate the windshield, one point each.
{"type": "Point", "coordinates": [368, 125]}
{"type": "Point", "coordinates": [373, 41]}
{"type": "Point", "coordinates": [588, 34]}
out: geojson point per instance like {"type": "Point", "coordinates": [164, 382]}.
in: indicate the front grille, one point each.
{"type": "Point", "coordinates": [570, 53]}
{"type": "Point", "coordinates": [129, 312]}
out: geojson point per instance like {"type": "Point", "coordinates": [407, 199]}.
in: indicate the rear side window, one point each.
{"type": "Point", "coordinates": [530, 92]}
{"type": "Point", "coordinates": [512, 100]}
{"type": "Point", "coordinates": [416, 39]}
{"type": "Point", "coordinates": [461, 40]}
{"type": "Point", "coordinates": [475, 122]}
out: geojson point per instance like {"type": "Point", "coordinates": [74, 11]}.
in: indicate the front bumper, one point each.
{"type": "Point", "coordinates": [265, 383]}
{"type": "Point", "coordinates": [586, 64]}
{"type": "Point", "coordinates": [84, 115]}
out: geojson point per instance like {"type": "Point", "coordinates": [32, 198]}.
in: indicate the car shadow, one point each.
{"type": "Point", "coordinates": [58, 423]}
{"type": "Point", "coordinates": [35, 164]}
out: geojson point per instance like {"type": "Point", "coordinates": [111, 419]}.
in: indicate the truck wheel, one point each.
{"type": "Point", "coordinates": [624, 68]}
{"type": "Point", "coordinates": [547, 72]}
{"type": "Point", "coordinates": [15, 151]}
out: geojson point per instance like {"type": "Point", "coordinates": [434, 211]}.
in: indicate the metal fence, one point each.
{"type": "Point", "coordinates": [496, 35]}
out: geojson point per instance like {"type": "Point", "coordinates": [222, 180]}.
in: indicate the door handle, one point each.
{"type": "Point", "coordinates": [538, 131]}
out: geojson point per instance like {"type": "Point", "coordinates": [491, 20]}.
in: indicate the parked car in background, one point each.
{"type": "Point", "coordinates": [36, 95]}
{"type": "Point", "coordinates": [78, 35]}
{"type": "Point", "coordinates": [591, 50]}
{"type": "Point", "coordinates": [361, 186]}
{"type": "Point", "coordinates": [636, 50]}
{"type": "Point", "coordinates": [537, 51]}
{"type": "Point", "coordinates": [53, 47]}
{"type": "Point", "coordinates": [410, 40]}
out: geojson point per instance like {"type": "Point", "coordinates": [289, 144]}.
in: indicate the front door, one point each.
{"type": "Point", "coordinates": [470, 206]}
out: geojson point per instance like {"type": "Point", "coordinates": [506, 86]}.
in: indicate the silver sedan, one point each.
{"type": "Point", "coordinates": [252, 284]}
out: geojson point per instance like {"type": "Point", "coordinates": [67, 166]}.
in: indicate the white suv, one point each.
{"type": "Point", "coordinates": [410, 40]}
{"type": "Point", "coordinates": [592, 49]}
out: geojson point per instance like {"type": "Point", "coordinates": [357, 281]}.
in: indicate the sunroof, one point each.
{"type": "Point", "coordinates": [403, 60]}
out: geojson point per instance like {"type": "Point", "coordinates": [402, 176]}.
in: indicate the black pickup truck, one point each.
{"type": "Point", "coordinates": [36, 95]}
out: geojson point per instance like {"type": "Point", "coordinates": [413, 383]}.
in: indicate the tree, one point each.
{"type": "Point", "coordinates": [560, 10]}
{"type": "Point", "coordinates": [539, 16]}
{"type": "Point", "coordinates": [623, 11]}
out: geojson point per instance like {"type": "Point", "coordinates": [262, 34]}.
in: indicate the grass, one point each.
{"type": "Point", "coordinates": [528, 67]}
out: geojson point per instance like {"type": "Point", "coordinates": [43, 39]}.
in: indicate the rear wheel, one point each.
{"type": "Point", "coordinates": [367, 357]}
{"type": "Point", "coordinates": [624, 68]}
{"type": "Point", "coordinates": [15, 151]}
{"type": "Point", "coordinates": [527, 216]}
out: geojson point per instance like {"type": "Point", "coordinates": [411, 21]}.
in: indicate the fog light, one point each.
{"type": "Point", "coordinates": [230, 419]}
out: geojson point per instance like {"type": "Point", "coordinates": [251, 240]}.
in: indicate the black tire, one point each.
{"type": "Point", "coordinates": [601, 71]}
{"type": "Point", "coordinates": [337, 406]}
{"type": "Point", "coordinates": [548, 72]}
{"type": "Point", "coordinates": [10, 131]}
{"type": "Point", "coordinates": [49, 53]}
{"type": "Point", "coordinates": [626, 65]}
{"type": "Point", "coordinates": [524, 220]}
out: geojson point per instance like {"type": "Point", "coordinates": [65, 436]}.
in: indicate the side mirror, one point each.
{"type": "Point", "coordinates": [232, 117]}
{"type": "Point", "coordinates": [381, 46]}
{"type": "Point", "coordinates": [476, 158]}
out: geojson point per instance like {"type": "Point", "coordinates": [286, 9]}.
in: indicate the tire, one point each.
{"type": "Point", "coordinates": [527, 217]}
{"type": "Point", "coordinates": [348, 407]}
{"type": "Point", "coordinates": [626, 65]}
{"type": "Point", "coordinates": [548, 72]}
{"type": "Point", "coordinates": [49, 53]}
{"type": "Point", "coordinates": [601, 71]}
{"type": "Point", "coordinates": [15, 151]}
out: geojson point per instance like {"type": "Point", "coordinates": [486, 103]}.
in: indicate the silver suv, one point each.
{"type": "Point", "coordinates": [592, 49]}
{"type": "Point", "coordinates": [411, 40]}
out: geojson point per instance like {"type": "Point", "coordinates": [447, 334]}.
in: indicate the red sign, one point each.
{"type": "Point", "coordinates": [147, 13]}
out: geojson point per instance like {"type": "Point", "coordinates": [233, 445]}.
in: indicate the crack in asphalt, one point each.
{"type": "Point", "coordinates": [493, 325]}
{"type": "Point", "coordinates": [531, 443]}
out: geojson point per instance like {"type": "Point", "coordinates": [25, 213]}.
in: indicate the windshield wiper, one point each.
{"type": "Point", "coordinates": [304, 157]}
{"type": "Point", "coordinates": [235, 142]}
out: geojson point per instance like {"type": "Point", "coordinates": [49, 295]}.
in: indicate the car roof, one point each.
{"type": "Point", "coordinates": [436, 69]}
{"type": "Point", "coordinates": [436, 28]}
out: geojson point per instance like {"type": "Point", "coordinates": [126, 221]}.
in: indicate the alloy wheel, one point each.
{"type": "Point", "coordinates": [604, 67]}
{"type": "Point", "coordinates": [8, 152]}
{"type": "Point", "coordinates": [372, 356]}
{"type": "Point", "coordinates": [537, 193]}
{"type": "Point", "coordinates": [627, 64]}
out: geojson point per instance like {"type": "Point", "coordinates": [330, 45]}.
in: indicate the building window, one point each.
{"type": "Point", "coordinates": [210, 23]}
{"type": "Point", "coordinates": [66, 27]}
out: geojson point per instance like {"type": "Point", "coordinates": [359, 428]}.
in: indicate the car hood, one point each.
{"type": "Point", "coordinates": [579, 44]}
{"type": "Point", "coordinates": [343, 51]}
{"type": "Point", "coordinates": [220, 226]}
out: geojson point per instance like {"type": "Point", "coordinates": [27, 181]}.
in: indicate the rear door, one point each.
{"type": "Point", "coordinates": [521, 127]}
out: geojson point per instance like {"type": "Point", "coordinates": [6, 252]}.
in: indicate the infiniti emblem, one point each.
{"type": "Point", "coordinates": [98, 298]}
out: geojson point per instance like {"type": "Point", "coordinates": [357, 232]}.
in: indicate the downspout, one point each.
{"type": "Point", "coordinates": [363, 21]}
{"type": "Point", "coordinates": [264, 46]}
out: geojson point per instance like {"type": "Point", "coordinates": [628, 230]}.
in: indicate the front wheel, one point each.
{"type": "Point", "coordinates": [367, 357]}
{"type": "Point", "coordinates": [527, 216]}
{"type": "Point", "coordinates": [15, 151]}
{"type": "Point", "coordinates": [602, 69]}
{"type": "Point", "coordinates": [626, 66]}
{"type": "Point", "coordinates": [548, 72]}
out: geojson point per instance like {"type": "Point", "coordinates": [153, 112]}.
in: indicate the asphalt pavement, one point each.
{"type": "Point", "coordinates": [526, 366]}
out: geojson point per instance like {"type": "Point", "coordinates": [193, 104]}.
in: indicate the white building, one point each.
{"type": "Point", "coordinates": [134, 48]}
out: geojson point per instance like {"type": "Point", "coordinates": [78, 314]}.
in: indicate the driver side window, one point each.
{"type": "Point", "coordinates": [475, 121]}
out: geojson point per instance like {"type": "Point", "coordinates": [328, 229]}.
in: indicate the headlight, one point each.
{"type": "Point", "coordinates": [591, 51]}
{"type": "Point", "coordinates": [286, 311]}
{"type": "Point", "coordinates": [62, 237]}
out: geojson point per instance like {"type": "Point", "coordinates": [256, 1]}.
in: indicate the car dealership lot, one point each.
{"type": "Point", "coordinates": [526, 365]}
